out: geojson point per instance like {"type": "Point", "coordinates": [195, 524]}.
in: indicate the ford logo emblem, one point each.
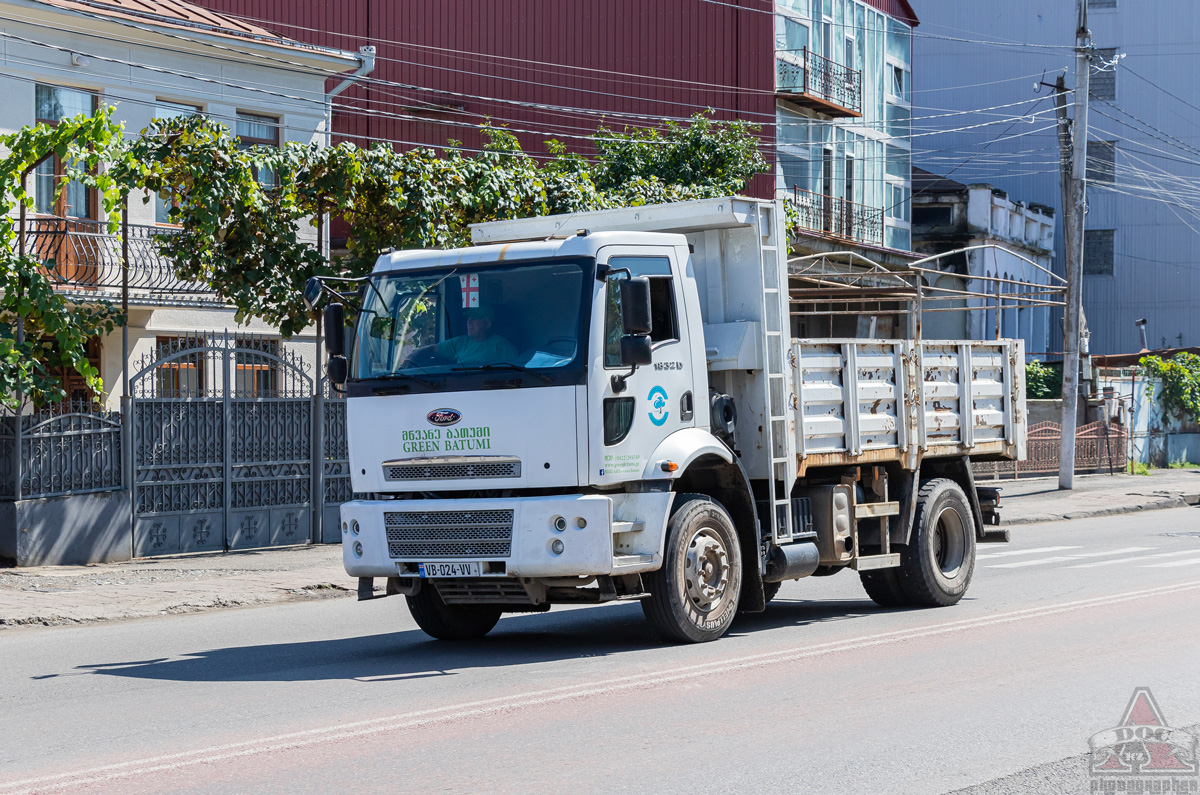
{"type": "Point", "coordinates": [443, 417]}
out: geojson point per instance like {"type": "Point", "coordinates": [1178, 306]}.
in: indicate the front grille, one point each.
{"type": "Point", "coordinates": [449, 534]}
{"type": "Point", "coordinates": [483, 590]}
{"type": "Point", "coordinates": [436, 469]}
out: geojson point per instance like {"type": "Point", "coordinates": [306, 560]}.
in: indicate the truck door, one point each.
{"type": "Point", "coordinates": [657, 399]}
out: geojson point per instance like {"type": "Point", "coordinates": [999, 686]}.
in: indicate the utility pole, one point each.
{"type": "Point", "coordinates": [1074, 178]}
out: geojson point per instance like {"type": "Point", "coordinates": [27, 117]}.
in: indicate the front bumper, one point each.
{"type": "Point", "coordinates": [441, 526]}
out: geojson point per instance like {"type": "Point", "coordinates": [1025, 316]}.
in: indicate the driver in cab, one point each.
{"type": "Point", "coordinates": [479, 345]}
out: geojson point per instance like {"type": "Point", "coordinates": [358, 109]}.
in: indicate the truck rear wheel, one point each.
{"type": "Point", "coordinates": [450, 622]}
{"type": "Point", "coordinates": [694, 596]}
{"type": "Point", "coordinates": [936, 566]}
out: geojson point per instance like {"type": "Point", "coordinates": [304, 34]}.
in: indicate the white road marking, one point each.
{"type": "Point", "coordinates": [1133, 559]}
{"type": "Point", "coordinates": [1010, 554]}
{"type": "Point", "coordinates": [1060, 559]}
{"type": "Point", "coordinates": [176, 761]}
{"type": "Point", "coordinates": [1173, 564]}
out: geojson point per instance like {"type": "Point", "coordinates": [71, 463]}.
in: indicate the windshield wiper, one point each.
{"type": "Point", "coordinates": [398, 374]}
{"type": "Point", "coordinates": [545, 379]}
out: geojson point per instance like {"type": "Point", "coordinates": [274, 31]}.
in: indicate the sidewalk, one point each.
{"type": "Point", "coordinates": [76, 594]}
{"type": "Point", "coordinates": [1039, 499]}
{"type": "Point", "coordinates": [56, 595]}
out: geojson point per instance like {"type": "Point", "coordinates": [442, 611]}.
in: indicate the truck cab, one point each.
{"type": "Point", "coordinates": [608, 406]}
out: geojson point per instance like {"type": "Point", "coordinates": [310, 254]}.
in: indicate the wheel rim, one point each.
{"type": "Point", "coordinates": [949, 542]}
{"type": "Point", "coordinates": [706, 570]}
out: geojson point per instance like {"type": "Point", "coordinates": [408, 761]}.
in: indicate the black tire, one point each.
{"type": "Point", "coordinates": [936, 566]}
{"type": "Point", "coordinates": [883, 586]}
{"type": "Point", "coordinates": [771, 590]}
{"type": "Point", "coordinates": [450, 622]}
{"type": "Point", "coordinates": [694, 596]}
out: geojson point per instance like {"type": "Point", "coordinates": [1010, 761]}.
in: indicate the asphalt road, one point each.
{"type": "Point", "coordinates": [823, 693]}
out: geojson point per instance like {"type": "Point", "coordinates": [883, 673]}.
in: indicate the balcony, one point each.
{"type": "Point", "coordinates": [813, 81]}
{"type": "Point", "coordinates": [836, 217]}
{"type": "Point", "coordinates": [82, 258]}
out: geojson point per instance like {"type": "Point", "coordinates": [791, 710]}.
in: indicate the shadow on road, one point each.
{"type": "Point", "coordinates": [517, 640]}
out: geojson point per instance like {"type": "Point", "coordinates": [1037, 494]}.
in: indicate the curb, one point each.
{"type": "Point", "coordinates": [1180, 501]}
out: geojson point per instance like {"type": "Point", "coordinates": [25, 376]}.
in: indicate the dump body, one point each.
{"type": "Point", "coordinates": [871, 401]}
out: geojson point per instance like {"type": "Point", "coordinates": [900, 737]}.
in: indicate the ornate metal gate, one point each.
{"type": "Point", "coordinates": [223, 447]}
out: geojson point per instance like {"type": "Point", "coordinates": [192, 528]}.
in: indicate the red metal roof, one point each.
{"type": "Point", "coordinates": [900, 9]}
{"type": "Point", "coordinates": [181, 15]}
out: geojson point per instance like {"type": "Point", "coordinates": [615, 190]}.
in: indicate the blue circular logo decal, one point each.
{"type": "Point", "coordinates": [658, 405]}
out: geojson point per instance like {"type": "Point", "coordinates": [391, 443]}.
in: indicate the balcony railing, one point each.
{"type": "Point", "coordinates": [82, 255]}
{"type": "Point", "coordinates": [838, 218]}
{"type": "Point", "coordinates": [817, 82]}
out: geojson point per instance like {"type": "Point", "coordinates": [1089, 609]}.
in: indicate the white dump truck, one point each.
{"type": "Point", "coordinates": [620, 405]}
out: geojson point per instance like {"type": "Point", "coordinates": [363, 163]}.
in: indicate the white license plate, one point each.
{"type": "Point", "coordinates": [449, 569]}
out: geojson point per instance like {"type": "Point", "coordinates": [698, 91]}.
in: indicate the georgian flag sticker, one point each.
{"type": "Point", "coordinates": [470, 290]}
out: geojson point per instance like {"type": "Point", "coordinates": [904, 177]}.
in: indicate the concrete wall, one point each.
{"type": "Point", "coordinates": [64, 531]}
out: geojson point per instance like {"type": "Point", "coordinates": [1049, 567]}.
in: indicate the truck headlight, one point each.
{"type": "Point", "coordinates": [354, 527]}
{"type": "Point", "coordinates": [557, 546]}
{"type": "Point", "coordinates": [358, 549]}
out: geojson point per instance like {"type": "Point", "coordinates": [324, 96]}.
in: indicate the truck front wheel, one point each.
{"type": "Point", "coordinates": [450, 622]}
{"type": "Point", "coordinates": [694, 596]}
{"type": "Point", "coordinates": [936, 566]}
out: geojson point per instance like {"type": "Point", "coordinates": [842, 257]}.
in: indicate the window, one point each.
{"type": "Point", "coordinates": [1103, 4]}
{"type": "Point", "coordinates": [932, 216]}
{"type": "Point", "coordinates": [1103, 79]}
{"type": "Point", "coordinates": [254, 130]}
{"type": "Point", "coordinates": [899, 163]}
{"type": "Point", "coordinates": [183, 376]}
{"type": "Point", "coordinates": [795, 171]}
{"type": "Point", "coordinates": [1102, 161]}
{"type": "Point", "coordinates": [899, 197]}
{"type": "Point", "coordinates": [663, 318]}
{"type": "Point", "coordinates": [790, 36]}
{"type": "Point", "coordinates": [169, 110]}
{"type": "Point", "coordinates": [51, 105]}
{"type": "Point", "coordinates": [1098, 252]}
{"type": "Point", "coordinates": [899, 121]}
{"type": "Point", "coordinates": [256, 373]}
{"type": "Point", "coordinates": [899, 41]}
{"type": "Point", "coordinates": [898, 82]}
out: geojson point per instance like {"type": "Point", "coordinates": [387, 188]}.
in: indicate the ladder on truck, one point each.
{"type": "Point", "coordinates": [778, 398]}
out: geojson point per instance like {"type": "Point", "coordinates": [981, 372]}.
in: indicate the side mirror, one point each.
{"type": "Point", "coordinates": [338, 370]}
{"type": "Point", "coordinates": [635, 351]}
{"type": "Point", "coordinates": [334, 319]}
{"type": "Point", "coordinates": [312, 293]}
{"type": "Point", "coordinates": [635, 306]}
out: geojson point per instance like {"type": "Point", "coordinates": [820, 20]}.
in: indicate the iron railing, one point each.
{"type": "Point", "coordinates": [838, 217]}
{"type": "Point", "coordinates": [81, 255]}
{"type": "Point", "coordinates": [71, 448]}
{"type": "Point", "coordinates": [817, 77]}
{"type": "Point", "coordinates": [1099, 447]}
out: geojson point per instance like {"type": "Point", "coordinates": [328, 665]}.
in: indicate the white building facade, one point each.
{"type": "Point", "coordinates": [59, 58]}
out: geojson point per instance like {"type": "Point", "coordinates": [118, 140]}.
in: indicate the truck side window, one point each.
{"type": "Point", "coordinates": [664, 320]}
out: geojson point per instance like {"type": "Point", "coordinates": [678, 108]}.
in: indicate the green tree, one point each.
{"type": "Point", "coordinates": [55, 330]}
{"type": "Point", "coordinates": [1180, 379]}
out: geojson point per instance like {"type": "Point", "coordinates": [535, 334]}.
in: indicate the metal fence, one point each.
{"type": "Point", "coordinates": [1099, 447]}
{"type": "Point", "coordinates": [66, 449]}
{"type": "Point", "coordinates": [217, 447]}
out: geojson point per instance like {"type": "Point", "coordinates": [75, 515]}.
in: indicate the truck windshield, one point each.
{"type": "Point", "coordinates": [477, 317]}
